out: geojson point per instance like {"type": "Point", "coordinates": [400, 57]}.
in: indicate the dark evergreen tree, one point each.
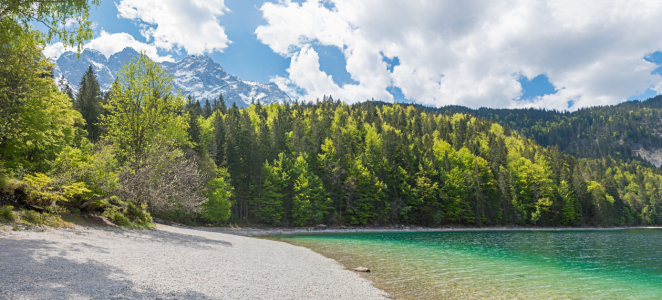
{"type": "Point", "coordinates": [88, 101]}
{"type": "Point", "coordinates": [207, 109]}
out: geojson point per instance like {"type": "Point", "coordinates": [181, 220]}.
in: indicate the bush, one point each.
{"type": "Point", "coordinates": [139, 215]}
{"type": "Point", "coordinates": [127, 214]}
{"type": "Point", "coordinates": [7, 213]}
{"type": "Point", "coordinates": [31, 217]}
{"type": "Point", "coordinates": [116, 216]}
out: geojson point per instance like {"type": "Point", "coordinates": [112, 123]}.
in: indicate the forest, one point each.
{"type": "Point", "coordinates": [143, 149]}
{"type": "Point", "coordinates": [590, 132]}
{"type": "Point", "coordinates": [329, 162]}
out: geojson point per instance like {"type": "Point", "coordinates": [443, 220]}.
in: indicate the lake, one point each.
{"type": "Point", "coordinates": [554, 264]}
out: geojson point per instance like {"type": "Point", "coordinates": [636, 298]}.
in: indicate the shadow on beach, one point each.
{"type": "Point", "coordinates": [31, 269]}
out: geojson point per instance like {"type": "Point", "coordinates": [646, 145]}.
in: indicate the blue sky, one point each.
{"type": "Point", "coordinates": [507, 54]}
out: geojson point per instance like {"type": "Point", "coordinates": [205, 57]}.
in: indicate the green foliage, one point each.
{"type": "Point", "coordinates": [7, 213]}
{"type": "Point", "coordinates": [270, 196]}
{"type": "Point", "coordinates": [142, 110]}
{"type": "Point", "coordinates": [368, 163]}
{"type": "Point", "coordinates": [40, 191]}
{"type": "Point", "coordinates": [56, 15]}
{"type": "Point", "coordinates": [31, 217]}
{"type": "Point", "coordinates": [114, 214]}
{"type": "Point", "coordinates": [311, 202]}
{"type": "Point", "coordinates": [217, 207]}
{"type": "Point", "coordinates": [568, 202]}
{"type": "Point", "coordinates": [593, 132]}
{"type": "Point", "coordinates": [90, 170]}
{"type": "Point", "coordinates": [36, 120]}
{"type": "Point", "coordinates": [88, 101]}
{"type": "Point", "coordinates": [129, 215]}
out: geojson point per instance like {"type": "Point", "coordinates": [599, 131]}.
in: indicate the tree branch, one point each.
{"type": "Point", "coordinates": [88, 202]}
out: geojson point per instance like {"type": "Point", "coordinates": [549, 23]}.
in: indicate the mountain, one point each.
{"type": "Point", "coordinates": [195, 75]}
{"type": "Point", "coordinates": [72, 68]}
{"type": "Point", "coordinates": [628, 130]}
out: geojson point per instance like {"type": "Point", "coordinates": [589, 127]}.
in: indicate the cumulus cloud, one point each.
{"type": "Point", "coordinates": [54, 51]}
{"type": "Point", "coordinates": [470, 52]}
{"type": "Point", "coordinates": [174, 24]}
{"type": "Point", "coordinates": [109, 44]}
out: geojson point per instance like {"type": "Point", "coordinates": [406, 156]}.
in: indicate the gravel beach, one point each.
{"type": "Point", "coordinates": [168, 263]}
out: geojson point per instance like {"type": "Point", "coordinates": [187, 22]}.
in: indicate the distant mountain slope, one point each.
{"type": "Point", "coordinates": [629, 130]}
{"type": "Point", "coordinates": [198, 76]}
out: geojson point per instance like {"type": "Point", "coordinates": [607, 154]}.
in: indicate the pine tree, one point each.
{"type": "Point", "coordinates": [219, 105]}
{"type": "Point", "coordinates": [88, 102]}
{"type": "Point", "coordinates": [568, 201]}
{"type": "Point", "coordinates": [207, 110]}
{"type": "Point", "coordinates": [311, 202]}
{"type": "Point", "coordinates": [367, 195]}
{"type": "Point", "coordinates": [194, 130]}
{"type": "Point", "coordinates": [219, 146]}
{"type": "Point", "coordinates": [270, 197]}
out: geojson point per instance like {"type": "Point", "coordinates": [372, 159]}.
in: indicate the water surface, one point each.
{"type": "Point", "coordinates": [600, 264]}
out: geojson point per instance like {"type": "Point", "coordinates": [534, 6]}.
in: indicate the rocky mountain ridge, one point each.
{"type": "Point", "coordinates": [198, 76]}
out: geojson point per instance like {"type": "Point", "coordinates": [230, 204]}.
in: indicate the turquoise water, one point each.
{"type": "Point", "coordinates": [600, 264]}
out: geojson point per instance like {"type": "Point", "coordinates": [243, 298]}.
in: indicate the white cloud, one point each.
{"type": "Point", "coordinates": [109, 44]}
{"type": "Point", "coordinates": [470, 52]}
{"type": "Point", "coordinates": [54, 51]}
{"type": "Point", "coordinates": [173, 24]}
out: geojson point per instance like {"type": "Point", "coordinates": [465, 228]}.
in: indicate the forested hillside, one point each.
{"type": "Point", "coordinates": [329, 162]}
{"type": "Point", "coordinates": [592, 132]}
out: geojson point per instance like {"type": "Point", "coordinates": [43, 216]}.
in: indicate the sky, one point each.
{"type": "Point", "coordinates": [504, 54]}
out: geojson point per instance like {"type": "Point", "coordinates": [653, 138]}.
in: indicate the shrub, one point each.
{"type": "Point", "coordinates": [7, 213]}
{"type": "Point", "coordinates": [129, 215]}
{"type": "Point", "coordinates": [31, 217]}
{"type": "Point", "coordinates": [116, 216]}
{"type": "Point", "coordinates": [40, 191]}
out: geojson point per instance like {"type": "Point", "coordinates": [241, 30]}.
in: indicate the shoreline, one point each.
{"type": "Point", "coordinates": [170, 262]}
{"type": "Point", "coordinates": [256, 231]}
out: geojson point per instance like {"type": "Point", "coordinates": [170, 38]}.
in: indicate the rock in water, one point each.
{"type": "Point", "coordinates": [362, 269]}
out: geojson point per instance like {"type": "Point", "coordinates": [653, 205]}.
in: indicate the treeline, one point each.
{"type": "Point", "coordinates": [591, 132]}
{"type": "Point", "coordinates": [329, 162]}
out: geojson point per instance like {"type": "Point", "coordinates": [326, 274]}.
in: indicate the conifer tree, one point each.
{"type": "Point", "coordinates": [311, 202]}
{"type": "Point", "coordinates": [568, 201]}
{"type": "Point", "coordinates": [207, 109]}
{"type": "Point", "coordinates": [219, 146]}
{"type": "Point", "coordinates": [270, 197]}
{"type": "Point", "coordinates": [220, 105]}
{"type": "Point", "coordinates": [88, 101]}
{"type": "Point", "coordinates": [194, 130]}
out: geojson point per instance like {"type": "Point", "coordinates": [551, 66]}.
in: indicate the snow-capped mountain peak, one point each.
{"type": "Point", "coordinates": [196, 75]}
